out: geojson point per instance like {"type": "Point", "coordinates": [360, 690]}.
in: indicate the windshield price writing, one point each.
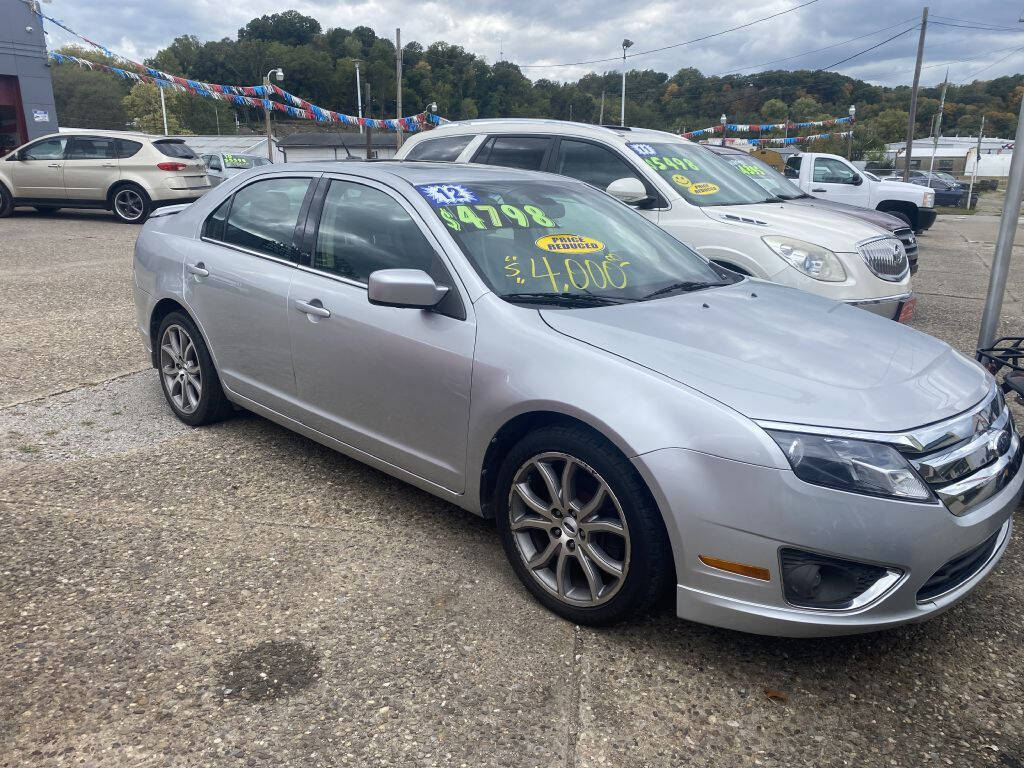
{"type": "Point", "coordinates": [494, 216]}
{"type": "Point", "coordinates": [568, 273]}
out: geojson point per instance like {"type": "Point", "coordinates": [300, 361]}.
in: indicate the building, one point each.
{"type": "Point", "coordinates": [26, 93]}
{"type": "Point", "coordinates": [955, 155]}
{"type": "Point", "coordinates": [336, 145]}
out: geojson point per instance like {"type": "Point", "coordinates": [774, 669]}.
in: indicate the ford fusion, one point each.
{"type": "Point", "coordinates": [635, 419]}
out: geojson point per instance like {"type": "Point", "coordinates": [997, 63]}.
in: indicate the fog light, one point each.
{"type": "Point", "coordinates": [816, 581]}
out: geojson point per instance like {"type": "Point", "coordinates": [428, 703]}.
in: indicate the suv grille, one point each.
{"type": "Point", "coordinates": [885, 257]}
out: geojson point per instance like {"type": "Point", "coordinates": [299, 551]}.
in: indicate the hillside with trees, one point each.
{"type": "Point", "coordinates": [319, 66]}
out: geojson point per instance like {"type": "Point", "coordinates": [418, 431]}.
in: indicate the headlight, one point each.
{"type": "Point", "coordinates": [929, 198]}
{"type": "Point", "coordinates": [813, 260]}
{"type": "Point", "coordinates": [851, 465]}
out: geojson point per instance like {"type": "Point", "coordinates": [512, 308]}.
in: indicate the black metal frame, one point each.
{"type": "Point", "coordinates": [1006, 352]}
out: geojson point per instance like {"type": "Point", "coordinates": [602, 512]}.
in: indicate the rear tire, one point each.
{"type": "Point", "coordinates": [187, 376]}
{"type": "Point", "coordinates": [130, 203]}
{"type": "Point", "coordinates": [6, 202]}
{"type": "Point", "coordinates": [595, 554]}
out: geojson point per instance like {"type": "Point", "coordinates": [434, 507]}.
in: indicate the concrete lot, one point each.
{"type": "Point", "coordinates": [238, 595]}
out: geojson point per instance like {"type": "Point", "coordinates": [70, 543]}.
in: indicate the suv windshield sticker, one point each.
{"type": "Point", "coordinates": [704, 188]}
{"type": "Point", "coordinates": [671, 161]}
{"type": "Point", "coordinates": [236, 161]}
{"type": "Point", "coordinates": [644, 150]}
{"type": "Point", "coordinates": [682, 181]}
{"type": "Point", "coordinates": [447, 194]}
{"type": "Point", "coordinates": [566, 243]}
{"type": "Point", "coordinates": [494, 216]}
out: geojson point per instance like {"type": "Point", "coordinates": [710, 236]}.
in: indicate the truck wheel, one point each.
{"type": "Point", "coordinates": [6, 203]}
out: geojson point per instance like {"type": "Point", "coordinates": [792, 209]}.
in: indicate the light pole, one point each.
{"type": "Point", "coordinates": [723, 120]}
{"type": "Point", "coordinates": [626, 43]}
{"type": "Point", "coordinates": [279, 74]}
{"type": "Point", "coordinates": [359, 94]}
{"type": "Point", "coordinates": [849, 143]}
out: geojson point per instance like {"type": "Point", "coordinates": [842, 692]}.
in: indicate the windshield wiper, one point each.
{"type": "Point", "coordinates": [565, 299]}
{"type": "Point", "coordinates": [774, 199]}
{"type": "Point", "coordinates": [684, 287]}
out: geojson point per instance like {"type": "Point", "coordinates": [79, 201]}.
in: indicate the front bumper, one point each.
{"type": "Point", "coordinates": [745, 513]}
{"type": "Point", "coordinates": [899, 307]}
{"type": "Point", "coordinates": [925, 218]}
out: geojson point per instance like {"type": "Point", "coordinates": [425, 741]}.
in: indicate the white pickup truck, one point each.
{"type": "Point", "coordinates": [832, 177]}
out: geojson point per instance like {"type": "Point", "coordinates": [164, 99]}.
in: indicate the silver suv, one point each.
{"type": "Point", "coordinates": [127, 173]}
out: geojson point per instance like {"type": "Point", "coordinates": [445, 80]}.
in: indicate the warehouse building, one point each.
{"type": "Point", "coordinates": [955, 155]}
{"type": "Point", "coordinates": [26, 93]}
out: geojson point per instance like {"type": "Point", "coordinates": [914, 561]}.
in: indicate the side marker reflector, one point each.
{"type": "Point", "coordinates": [750, 571]}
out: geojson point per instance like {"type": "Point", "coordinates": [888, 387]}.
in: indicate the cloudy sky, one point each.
{"type": "Point", "coordinates": [539, 32]}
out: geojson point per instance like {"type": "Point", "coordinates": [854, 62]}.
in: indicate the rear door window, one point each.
{"type": "Point", "coordinates": [127, 148]}
{"type": "Point", "coordinates": [444, 149]}
{"type": "Point", "coordinates": [92, 148]}
{"type": "Point", "coordinates": [175, 148]}
{"type": "Point", "coordinates": [264, 217]}
{"type": "Point", "coordinates": [527, 152]}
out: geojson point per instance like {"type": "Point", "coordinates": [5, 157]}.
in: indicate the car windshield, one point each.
{"type": "Point", "coordinates": [565, 244]}
{"type": "Point", "coordinates": [243, 162]}
{"type": "Point", "coordinates": [769, 179]}
{"type": "Point", "coordinates": [700, 176]}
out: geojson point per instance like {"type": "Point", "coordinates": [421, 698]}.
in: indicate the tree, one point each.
{"type": "Point", "coordinates": [86, 98]}
{"type": "Point", "coordinates": [805, 108]}
{"type": "Point", "coordinates": [288, 27]}
{"type": "Point", "coordinates": [774, 111]}
{"type": "Point", "coordinates": [143, 107]}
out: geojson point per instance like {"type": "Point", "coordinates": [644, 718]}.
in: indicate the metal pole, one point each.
{"type": "Point", "coordinates": [359, 95]}
{"type": "Point", "coordinates": [163, 108]}
{"type": "Point", "coordinates": [270, 140]}
{"type": "Point", "coordinates": [622, 108]}
{"type": "Point", "coordinates": [913, 96]}
{"type": "Point", "coordinates": [600, 119]}
{"type": "Point", "coordinates": [398, 70]}
{"type": "Point", "coordinates": [369, 109]}
{"type": "Point", "coordinates": [938, 125]}
{"type": "Point", "coordinates": [977, 159]}
{"type": "Point", "coordinates": [1004, 242]}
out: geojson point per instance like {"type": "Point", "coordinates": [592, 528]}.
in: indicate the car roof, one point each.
{"type": "Point", "coordinates": [613, 133]}
{"type": "Point", "coordinates": [136, 135]}
{"type": "Point", "coordinates": [416, 171]}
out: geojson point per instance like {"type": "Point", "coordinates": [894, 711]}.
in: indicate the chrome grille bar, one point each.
{"type": "Point", "coordinates": [885, 257]}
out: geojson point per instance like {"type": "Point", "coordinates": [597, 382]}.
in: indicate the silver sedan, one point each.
{"type": "Point", "coordinates": [636, 420]}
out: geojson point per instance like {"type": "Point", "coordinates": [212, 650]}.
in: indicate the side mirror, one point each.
{"type": "Point", "coordinates": [412, 288]}
{"type": "Point", "coordinates": [629, 190]}
{"type": "Point", "coordinates": [15, 156]}
{"type": "Point", "coordinates": [857, 179]}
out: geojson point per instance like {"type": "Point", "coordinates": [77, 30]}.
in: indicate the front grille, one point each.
{"type": "Point", "coordinates": [970, 458]}
{"type": "Point", "coordinates": [958, 570]}
{"type": "Point", "coordinates": [885, 257]}
{"type": "Point", "coordinates": [906, 236]}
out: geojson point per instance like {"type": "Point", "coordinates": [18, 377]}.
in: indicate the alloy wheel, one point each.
{"type": "Point", "coordinates": [569, 529]}
{"type": "Point", "coordinates": [180, 369]}
{"type": "Point", "coordinates": [129, 204]}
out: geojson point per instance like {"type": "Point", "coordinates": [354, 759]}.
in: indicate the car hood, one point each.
{"type": "Point", "coordinates": [780, 354]}
{"type": "Point", "coordinates": [867, 215]}
{"type": "Point", "coordinates": [834, 231]}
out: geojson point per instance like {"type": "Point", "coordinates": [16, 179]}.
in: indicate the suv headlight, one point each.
{"type": "Point", "coordinates": [813, 260]}
{"type": "Point", "coordinates": [929, 198]}
{"type": "Point", "coordinates": [851, 465]}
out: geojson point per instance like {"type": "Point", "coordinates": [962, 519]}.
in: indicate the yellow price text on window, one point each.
{"type": "Point", "coordinates": [704, 188]}
{"type": "Point", "coordinates": [751, 170]}
{"type": "Point", "coordinates": [668, 162]}
{"type": "Point", "coordinates": [482, 216]}
{"type": "Point", "coordinates": [581, 274]}
{"type": "Point", "coordinates": [681, 180]}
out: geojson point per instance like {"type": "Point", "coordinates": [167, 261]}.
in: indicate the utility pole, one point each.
{"type": "Point", "coordinates": [600, 119]}
{"type": "Point", "coordinates": [163, 108]}
{"type": "Point", "coordinates": [938, 125]}
{"type": "Point", "coordinates": [1004, 242]}
{"type": "Point", "coordinates": [626, 43]}
{"type": "Point", "coordinates": [369, 109]}
{"type": "Point", "coordinates": [977, 159]}
{"type": "Point", "coordinates": [913, 96]}
{"type": "Point", "coordinates": [359, 95]}
{"type": "Point", "coordinates": [398, 67]}
{"type": "Point", "coordinates": [570, 111]}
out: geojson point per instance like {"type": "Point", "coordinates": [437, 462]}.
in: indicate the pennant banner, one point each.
{"type": "Point", "coordinates": [762, 127]}
{"type": "Point", "coordinates": [791, 139]}
{"type": "Point", "coordinates": [255, 96]}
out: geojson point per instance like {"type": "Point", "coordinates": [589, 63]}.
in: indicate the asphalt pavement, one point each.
{"type": "Point", "coordinates": [239, 595]}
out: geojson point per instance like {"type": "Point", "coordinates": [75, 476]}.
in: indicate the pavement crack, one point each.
{"type": "Point", "coordinates": [575, 698]}
{"type": "Point", "coordinates": [80, 385]}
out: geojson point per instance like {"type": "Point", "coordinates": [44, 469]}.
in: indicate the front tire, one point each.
{"type": "Point", "coordinates": [131, 204]}
{"type": "Point", "coordinates": [580, 527]}
{"type": "Point", "coordinates": [187, 376]}
{"type": "Point", "coordinates": [6, 202]}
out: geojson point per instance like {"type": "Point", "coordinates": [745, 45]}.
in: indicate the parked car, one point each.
{"type": "Point", "coordinates": [698, 198]}
{"type": "Point", "coordinates": [946, 194]}
{"type": "Point", "coordinates": [837, 179]}
{"type": "Point", "coordinates": [897, 175]}
{"type": "Point", "coordinates": [127, 173]}
{"type": "Point", "coordinates": [224, 165]}
{"type": "Point", "coordinates": [635, 417]}
{"type": "Point", "coordinates": [775, 183]}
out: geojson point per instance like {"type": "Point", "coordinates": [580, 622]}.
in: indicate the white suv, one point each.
{"type": "Point", "coordinates": [700, 199]}
{"type": "Point", "coordinates": [127, 173]}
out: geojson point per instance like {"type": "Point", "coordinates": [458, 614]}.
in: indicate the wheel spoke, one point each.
{"type": "Point", "coordinates": [560, 571]}
{"type": "Point", "coordinates": [568, 472]}
{"type": "Point", "coordinates": [191, 391]}
{"type": "Point", "coordinates": [530, 499]}
{"type": "Point", "coordinates": [588, 571]}
{"type": "Point", "coordinates": [593, 505]}
{"type": "Point", "coordinates": [175, 340]}
{"type": "Point", "coordinates": [541, 559]}
{"type": "Point", "coordinates": [550, 479]}
{"type": "Point", "coordinates": [604, 526]}
{"type": "Point", "coordinates": [602, 561]}
{"type": "Point", "coordinates": [525, 522]}
{"type": "Point", "coordinates": [169, 370]}
{"type": "Point", "coordinates": [168, 349]}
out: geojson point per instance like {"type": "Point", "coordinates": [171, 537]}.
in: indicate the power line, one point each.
{"type": "Point", "coordinates": [978, 23]}
{"type": "Point", "coordinates": [971, 76]}
{"type": "Point", "coordinates": [879, 45]}
{"type": "Point", "coordinates": [970, 58]}
{"type": "Point", "coordinates": [973, 26]}
{"type": "Point", "coordinates": [673, 45]}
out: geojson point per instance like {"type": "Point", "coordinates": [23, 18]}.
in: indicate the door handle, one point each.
{"type": "Point", "coordinates": [53, 165]}
{"type": "Point", "coordinates": [199, 269]}
{"type": "Point", "coordinates": [309, 308]}
{"type": "Point", "coordinates": [818, 189]}
{"type": "Point", "coordinates": [110, 165]}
